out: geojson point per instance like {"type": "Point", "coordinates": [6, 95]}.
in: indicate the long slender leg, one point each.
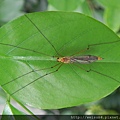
{"type": "Point", "coordinates": [79, 52]}
{"type": "Point", "coordinates": [82, 68]}
{"type": "Point", "coordinates": [43, 35]}
{"type": "Point", "coordinates": [29, 73]}
{"type": "Point", "coordinates": [37, 79]}
{"type": "Point", "coordinates": [10, 45]}
{"type": "Point", "coordinates": [84, 50]}
{"type": "Point", "coordinates": [104, 75]}
{"type": "Point", "coordinates": [91, 70]}
{"type": "Point", "coordinates": [103, 43]}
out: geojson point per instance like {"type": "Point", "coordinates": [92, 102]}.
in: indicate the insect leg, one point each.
{"type": "Point", "coordinates": [10, 45]}
{"type": "Point", "coordinates": [104, 75]}
{"type": "Point", "coordinates": [102, 43]}
{"type": "Point", "coordinates": [82, 68]}
{"type": "Point", "coordinates": [94, 45]}
{"type": "Point", "coordinates": [79, 52]}
{"type": "Point", "coordinates": [28, 73]}
{"type": "Point", "coordinates": [37, 79]}
{"type": "Point", "coordinates": [91, 70]}
{"type": "Point", "coordinates": [43, 35]}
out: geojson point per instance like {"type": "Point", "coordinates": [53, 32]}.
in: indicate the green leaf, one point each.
{"type": "Point", "coordinates": [2, 97]}
{"type": "Point", "coordinates": [86, 8]}
{"type": "Point", "coordinates": [10, 9]}
{"type": "Point", "coordinates": [10, 110]}
{"type": "Point", "coordinates": [111, 15]}
{"type": "Point", "coordinates": [65, 5]}
{"type": "Point", "coordinates": [110, 3]}
{"type": "Point", "coordinates": [67, 33]}
{"type": "Point", "coordinates": [10, 113]}
{"type": "Point", "coordinates": [112, 18]}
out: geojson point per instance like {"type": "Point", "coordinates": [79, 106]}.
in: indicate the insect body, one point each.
{"type": "Point", "coordinates": [86, 59]}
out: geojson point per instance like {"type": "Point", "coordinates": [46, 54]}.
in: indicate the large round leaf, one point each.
{"type": "Point", "coordinates": [65, 4]}
{"type": "Point", "coordinates": [38, 37]}
{"type": "Point", "coordinates": [111, 14]}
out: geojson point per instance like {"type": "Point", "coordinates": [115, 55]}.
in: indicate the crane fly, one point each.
{"type": "Point", "coordinates": [74, 59]}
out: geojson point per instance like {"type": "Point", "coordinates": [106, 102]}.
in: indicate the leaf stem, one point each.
{"type": "Point", "coordinates": [25, 108]}
{"type": "Point", "coordinates": [28, 110]}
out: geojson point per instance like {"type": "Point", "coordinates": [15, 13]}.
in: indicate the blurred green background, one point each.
{"type": "Point", "coordinates": [105, 11]}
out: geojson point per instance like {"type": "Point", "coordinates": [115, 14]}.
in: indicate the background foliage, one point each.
{"type": "Point", "coordinates": [106, 11]}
